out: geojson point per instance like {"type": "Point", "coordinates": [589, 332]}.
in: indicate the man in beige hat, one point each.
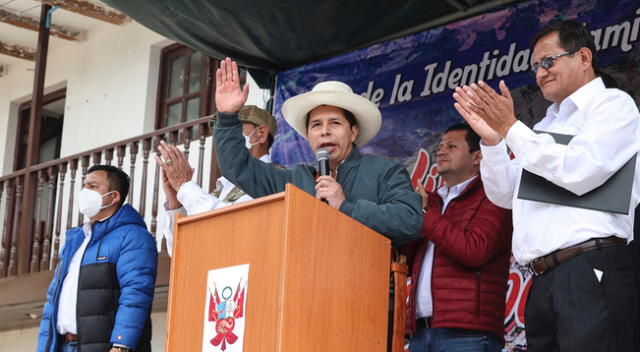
{"type": "Point", "coordinates": [374, 191]}
{"type": "Point", "coordinates": [186, 197]}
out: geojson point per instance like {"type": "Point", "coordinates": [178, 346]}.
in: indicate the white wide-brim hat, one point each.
{"type": "Point", "coordinates": [333, 93]}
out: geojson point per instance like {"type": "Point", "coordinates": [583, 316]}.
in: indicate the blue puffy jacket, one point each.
{"type": "Point", "coordinates": [115, 288]}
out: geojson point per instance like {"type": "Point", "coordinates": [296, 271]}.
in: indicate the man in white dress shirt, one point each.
{"type": "Point", "coordinates": [583, 296]}
{"type": "Point", "coordinates": [186, 197]}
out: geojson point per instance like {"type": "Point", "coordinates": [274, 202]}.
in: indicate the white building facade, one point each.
{"type": "Point", "coordinates": [108, 87]}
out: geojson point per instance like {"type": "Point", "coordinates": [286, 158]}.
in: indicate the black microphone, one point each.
{"type": "Point", "coordinates": [322, 156]}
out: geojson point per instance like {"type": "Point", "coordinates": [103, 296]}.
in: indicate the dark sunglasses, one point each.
{"type": "Point", "coordinates": [547, 62]}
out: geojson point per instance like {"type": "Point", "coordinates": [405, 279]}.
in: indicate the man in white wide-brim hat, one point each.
{"type": "Point", "coordinates": [374, 191]}
{"type": "Point", "coordinates": [336, 99]}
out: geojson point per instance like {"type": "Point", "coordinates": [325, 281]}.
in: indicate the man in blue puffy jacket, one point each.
{"type": "Point", "coordinates": [100, 297]}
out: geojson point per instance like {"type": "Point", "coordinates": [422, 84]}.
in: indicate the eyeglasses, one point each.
{"type": "Point", "coordinates": [547, 62]}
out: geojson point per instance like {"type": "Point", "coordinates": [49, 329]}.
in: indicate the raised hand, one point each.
{"type": "Point", "coordinates": [229, 96]}
{"type": "Point", "coordinates": [463, 105]}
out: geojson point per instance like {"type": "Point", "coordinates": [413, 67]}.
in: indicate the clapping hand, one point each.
{"type": "Point", "coordinates": [490, 114]}
{"type": "Point", "coordinates": [175, 165]}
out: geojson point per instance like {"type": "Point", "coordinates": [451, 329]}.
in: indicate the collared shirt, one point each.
{"type": "Point", "coordinates": [66, 322]}
{"type": "Point", "coordinates": [195, 200]}
{"type": "Point", "coordinates": [606, 126]}
{"type": "Point", "coordinates": [424, 299]}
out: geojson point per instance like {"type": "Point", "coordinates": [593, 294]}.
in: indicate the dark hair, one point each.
{"type": "Point", "coordinates": [347, 115]}
{"type": "Point", "coordinates": [118, 180]}
{"type": "Point", "coordinates": [350, 118]}
{"type": "Point", "coordinates": [472, 138]}
{"type": "Point", "coordinates": [269, 140]}
{"type": "Point", "coordinates": [572, 35]}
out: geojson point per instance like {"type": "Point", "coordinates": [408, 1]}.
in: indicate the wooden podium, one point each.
{"type": "Point", "coordinates": [318, 280]}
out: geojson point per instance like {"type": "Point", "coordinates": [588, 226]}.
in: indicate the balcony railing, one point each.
{"type": "Point", "coordinates": [31, 239]}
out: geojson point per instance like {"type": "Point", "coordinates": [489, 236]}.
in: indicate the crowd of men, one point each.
{"type": "Point", "coordinates": [458, 238]}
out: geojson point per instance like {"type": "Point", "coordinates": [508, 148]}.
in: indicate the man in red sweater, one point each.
{"type": "Point", "coordinates": [460, 266]}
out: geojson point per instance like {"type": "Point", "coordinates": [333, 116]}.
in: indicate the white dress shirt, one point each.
{"type": "Point", "coordinates": [195, 200]}
{"type": "Point", "coordinates": [606, 126]}
{"type": "Point", "coordinates": [69, 293]}
{"type": "Point", "coordinates": [424, 299]}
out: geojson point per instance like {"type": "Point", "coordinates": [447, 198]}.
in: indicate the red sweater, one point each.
{"type": "Point", "coordinates": [470, 265]}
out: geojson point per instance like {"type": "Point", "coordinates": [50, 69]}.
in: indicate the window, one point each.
{"type": "Point", "coordinates": [51, 122]}
{"type": "Point", "coordinates": [185, 86]}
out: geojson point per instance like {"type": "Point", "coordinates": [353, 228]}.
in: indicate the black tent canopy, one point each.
{"type": "Point", "coordinates": [273, 35]}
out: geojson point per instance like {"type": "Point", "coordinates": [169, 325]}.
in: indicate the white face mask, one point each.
{"type": "Point", "coordinates": [90, 202]}
{"type": "Point", "coordinates": [247, 140]}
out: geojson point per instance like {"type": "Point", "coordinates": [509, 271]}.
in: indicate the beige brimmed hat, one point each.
{"type": "Point", "coordinates": [260, 117]}
{"type": "Point", "coordinates": [338, 94]}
